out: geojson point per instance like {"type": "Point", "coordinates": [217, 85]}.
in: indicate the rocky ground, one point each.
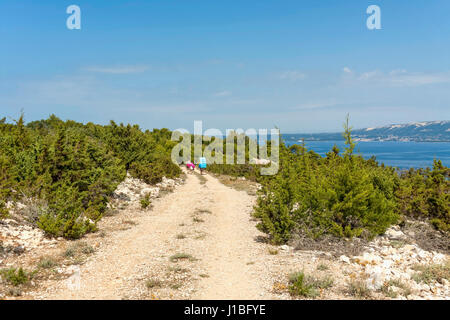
{"type": "Point", "coordinates": [197, 240]}
{"type": "Point", "coordinates": [45, 259]}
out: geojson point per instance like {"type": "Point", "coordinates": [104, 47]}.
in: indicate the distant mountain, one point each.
{"type": "Point", "coordinates": [430, 131]}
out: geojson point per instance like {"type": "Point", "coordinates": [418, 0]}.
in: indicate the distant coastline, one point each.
{"type": "Point", "coordinates": [427, 131]}
{"type": "Point", "coordinates": [402, 155]}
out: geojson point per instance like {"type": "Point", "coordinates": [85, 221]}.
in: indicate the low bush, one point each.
{"type": "Point", "coordinates": [3, 210]}
{"type": "Point", "coordinates": [145, 201]}
{"type": "Point", "coordinates": [15, 276]}
{"type": "Point", "coordinates": [47, 263]}
{"type": "Point", "coordinates": [430, 273]}
{"type": "Point", "coordinates": [425, 194]}
{"type": "Point", "coordinates": [358, 289]}
{"type": "Point", "coordinates": [307, 286]}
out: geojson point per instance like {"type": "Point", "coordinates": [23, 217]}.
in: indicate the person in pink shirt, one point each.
{"type": "Point", "coordinates": [190, 166]}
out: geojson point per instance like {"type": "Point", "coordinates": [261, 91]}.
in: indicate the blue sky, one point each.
{"type": "Point", "coordinates": [298, 65]}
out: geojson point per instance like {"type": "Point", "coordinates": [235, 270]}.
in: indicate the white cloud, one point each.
{"type": "Point", "coordinates": [417, 79]}
{"type": "Point", "coordinates": [371, 75]}
{"type": "Point", "coordinates": [118, 69]}
{"type": "Point", "coordinates": [397, 78]}
{"type": "Point", "coordinates": [316, 105]}
{"type": "Point", "coordinates": [347, 70]}
{"type": "Point", "coordinates": [90, 93]}
{"type": "Point", "coordinates": [292, 75]}
{"type": "Point", "coordinates": [397, 72]}
{"type": "Point", "coordinates": [224, 93]}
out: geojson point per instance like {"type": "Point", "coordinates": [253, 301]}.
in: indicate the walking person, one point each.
{"type": "Point", "coordinates": [190, 166]}
{"type": "Point", "coordinates": [202, 164]}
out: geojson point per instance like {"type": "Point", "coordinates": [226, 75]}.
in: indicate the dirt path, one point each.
{"type": "Point", "coordinates": [230, 252]}
{"type": "Point", "coordinates": [200, 242]}
{"type": "Point", "coordinates": [206, 223]}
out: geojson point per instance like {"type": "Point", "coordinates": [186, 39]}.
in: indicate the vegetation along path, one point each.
{"type": "Point", "coordinates": [198, 242]}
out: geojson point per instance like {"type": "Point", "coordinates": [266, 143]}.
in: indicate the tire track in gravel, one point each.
{"type": "Point", "coordinates": [230, 251]}
{"type": "Point", "coordinates": [226, 253]}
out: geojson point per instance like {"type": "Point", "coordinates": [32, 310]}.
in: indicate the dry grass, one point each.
{"type": "Point", "coordinates": [200, 236]}
{"type": "Point", "coordinates": [181, 256]}
{"type": "Point", "coordinates": [431, 273]}
{"type": "Point", "coordinates": [201, 178]}
{"type": "Point", "coordinates": [395, 287]}
{"type": "Point", "coordinates": [47, 262]}
{"type": "Point", "coordinates": [322, 267]}
{"type": "Point", "coordinates": [78, 252]}
{"type": "Point", "coordinates": [358, 289]}
{"type": "Point", "coordinates": [307, 286]}
{"type": "Point", "coordinates": [178, 269]}
{"type": "Point", "coordinates": [202, 211]}
{"type": "Point", "coordinates": [239, 184]}
{"type": "Point", "coordinates": [102, 234]}
{"type": "Point", "coordinates": [153, 283]}
{"type": "Point", "coordinates": [176, 285]}
{"type": "Point", "coordinates": [129, 222]}
{"type": "Point", "coordinates": [279, 287]}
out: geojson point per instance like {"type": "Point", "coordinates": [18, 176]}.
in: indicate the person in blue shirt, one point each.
{"type": "Point", "coordinates": [202, 164]}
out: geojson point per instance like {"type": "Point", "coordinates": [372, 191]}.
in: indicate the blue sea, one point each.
{"type": "Point", "coordinates": [402, 155]}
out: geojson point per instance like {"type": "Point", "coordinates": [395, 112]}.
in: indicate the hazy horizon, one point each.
{"type": "Point", "coordinates": [190, 128]}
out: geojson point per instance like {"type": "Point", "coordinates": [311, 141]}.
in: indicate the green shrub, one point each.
{"type": "Point", "coordinates": [15, 276]}
{"type": "Point", "coordinates": [307, 286]}
{"type": "Point", "coordinates": [153, 173]}
{"type": "Point", "coordinates": [343, 195]}
{"type": "Point", "coordinates": [3, 210]}
{"type": "Point", "coordinates": [145, 201]}
{"type": "Point", "coordinates": [425, 193]}
{"type": "Point", "coordinates": [248, 171]}
{"type": "Point", "coordinates": [75, 168]}
{"type": "Point", "coordinates": [274, 211]}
